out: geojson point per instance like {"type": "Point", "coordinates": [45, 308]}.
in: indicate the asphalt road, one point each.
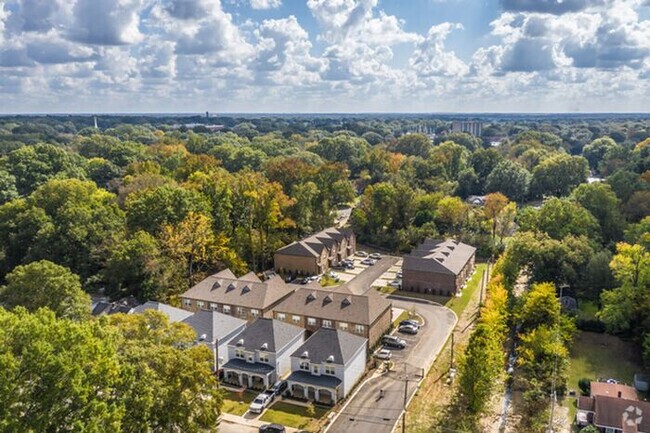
{"type": "Point", "coordinates": [366, 412]}
{"type": "Point", "coordinates": [362, 282]}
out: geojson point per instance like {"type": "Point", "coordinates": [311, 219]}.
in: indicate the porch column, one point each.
{"type": "Point", "coordinates": [316, 394]}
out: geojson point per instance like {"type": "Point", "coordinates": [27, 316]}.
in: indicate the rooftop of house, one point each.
{"type": "Point", "coordinates": [104, 306]}
{"type": "Point", "coordinates": [340, 305]}
{"type": "Point", "coordinates": [612, 390]}
{"type": "Point", "coordinates": [447, 256]}
{"type": "Point", "coordinates": [622, 414]}
{"type": "Point", "coordinates": [266, 334]}
{"type": "Point", "coordinates": [246, 291]}
{"type": "Point", "coordinates": [213, 326]}
{"type": "Point", "coordinates": [314, 245]}
{"type": "Point", "coordinates": [174, 314]}
{"type": "Point", "coordinates": [330, 346]}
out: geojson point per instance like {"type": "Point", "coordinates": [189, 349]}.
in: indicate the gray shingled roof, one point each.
{"type": "Point", "coordinates": [326, 343]}
{"type": "Point", "coordinates": [247, 291]}
{"type": "Point", "coordinates": [610, 412]}
{"type": "Point", "coordinates": [323, 380]}
{"type": "Point", "coordinates": [335, 305]}
{"type": "Point", "coordinates": [439, 256]}
{"type": "Point", "coordinates": [253, 367]}
{"type": "Point", "coordinates": [272, 333]}
{"type": "Point", "coordinates": [174, 314]}
{"type": "Point", "coordinates": [313, 245]}
{"type": "Point", "coordinates": [215, 326]}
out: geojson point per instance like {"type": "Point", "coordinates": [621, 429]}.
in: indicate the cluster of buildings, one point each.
{"type": "Point", "coordinates": [317, 338]}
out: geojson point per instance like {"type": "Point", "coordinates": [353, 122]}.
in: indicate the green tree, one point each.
{"type": "Point", "coordinates": [151, 209]}
{"type": "Point", "coordinates": [596, 150]}
{"type": "Point", "coordinates": [599, 199]}
{"type": "Point", "coordinates": [167, 380]}
{"type": "Point", "coordinates": [479, 368]}
{"type": "Point", "coordinates": [58, 375]}
{"type": "Point", "coordinates": [559, 218]}
{"type": "Point", "coordinates": [32, 166]}
{"type": "Point", "coordinates": [8, 189]}
{"type": "Point", "coordinates": [510, 179]}
{"type": "Point", "coordinates": [138, 267]}
{"type": "Point", "coordinates": [69, 222]}
{"type": "Point", "coordinates": [539, 306]}
{"type": "Point", "coordinates": [413, 144]}
{"type": "Point", "coordinates": [45, 284]}
{"type": "Point", "coordinates": [558, 175]}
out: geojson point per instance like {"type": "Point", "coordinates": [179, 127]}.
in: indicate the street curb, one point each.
{"type": "Point", "coordinates": [414, 299]}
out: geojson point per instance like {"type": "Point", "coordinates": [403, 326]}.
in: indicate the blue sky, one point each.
{"type": "Point", "coordinates": [324, 55]}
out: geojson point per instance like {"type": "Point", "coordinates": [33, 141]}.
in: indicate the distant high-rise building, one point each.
{"type": "Point", "coordinates": [470, 127]}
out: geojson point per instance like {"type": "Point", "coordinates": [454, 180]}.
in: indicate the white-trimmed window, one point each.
{"type": "Point", "coordinates": [315, 369]}
{"type": "Point", "coordinates": [295, 319]}
{"type": "Point", "coordinates": [281, 316]}
{"type": "Point", "coordinates": [200, 304]}
{"type": "Point", "coordinates": [187, 302]}
{"type": "Point", "coordinates": [359, 329]}
{"type": "Point", "coordinates": [226, 309]}
{"type": "Point", "coordinates": [343, 326]}
{"type": "Point", "coordinates": [311, 321]}
{"type": "Point", "coordinates": [239, 353]}
{"type": "Point", "coordinates": [241, 311]}
{"type": "Point", "coordinates": [327, 323]}
{"type": "Point", "coordinates": [255, 312]}
{"type": "Point", "coordinates": [304, 365]}
{"type": "Point", "coordinates": [329, 369]}
{"type": "Point", "coordinates": [214, 307]}
{"type": "Point", "coordinates": [264, 357]}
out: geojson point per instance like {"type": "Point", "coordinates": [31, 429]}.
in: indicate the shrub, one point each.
{"type": "Point", "coordinates": [585, 386]}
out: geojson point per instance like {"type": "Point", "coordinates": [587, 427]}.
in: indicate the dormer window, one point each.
{"type": "Point", "coordinates": [346, 302]}
{"type": "Point", "coordinates": [203, 337]}
{"type": "Point", "coordinates": [246, 289]}
{"type": "Point", "coordinates": [305, 354]}
{"type": "Point", "coordinates": [330, 358]}
{"type": "Point", "coordinates": [265, 346]}
{"type": "Point", "coordinates": [311, 297]}
{"type": "Point", "coordinates": [240, 342]}
{"type": "Point", "coordinates": [327, 299]}
{"type": "Point", "coordinates": [216, 285]}
{"type": "Point", "coordinates": [231, 286]}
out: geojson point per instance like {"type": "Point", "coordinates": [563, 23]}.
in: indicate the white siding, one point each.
{"type": "Point", "coordinates": [283, 360]}
{"type": "Point", "coordinates": [354, 370]}
{"type": "Point", "coordinates": [223, 354]}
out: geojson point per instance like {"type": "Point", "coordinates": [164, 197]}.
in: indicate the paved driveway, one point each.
{"type": "Point", "coordinates": [366, 412]}
{"type": "Point", "coordinates": [363, 281]}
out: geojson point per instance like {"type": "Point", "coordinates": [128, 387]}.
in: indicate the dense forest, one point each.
{"type": "Point", "coordinates": [147, 206]}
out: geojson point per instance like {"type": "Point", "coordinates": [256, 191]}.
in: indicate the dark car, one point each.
{"type": "Point", "coordinates": [408, 329]}
{"type": "Point", "coordinates": [409, 323]}
{"type": "Point", "coordinates": [272, 428]}
{"type": "Point", "coordinates": [279, 387]}
{"type": "Point", "coordinates": [392, 341]}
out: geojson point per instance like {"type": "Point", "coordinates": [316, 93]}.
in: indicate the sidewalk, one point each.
{"type": "Point", "coordinates": [251, 423]}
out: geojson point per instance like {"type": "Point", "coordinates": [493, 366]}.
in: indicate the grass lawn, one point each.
{"type": "Point", "coordinates": [327, 281]}
{"type": "Point", "coordinates": [292, 415]}
{"type": "Point", "coordinates": [457, 304]}
{"type": "Point", "coordinates": [237, 403]}
{"type": "Point", "coordinates": [386, 289]}
{"type": "Point", "coordinates": [596, 356]}
{"type": "Point", "coordinates": [587, 310]}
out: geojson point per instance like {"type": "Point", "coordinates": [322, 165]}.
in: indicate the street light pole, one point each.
{"type": "Point", "coordinates": [406, 386]}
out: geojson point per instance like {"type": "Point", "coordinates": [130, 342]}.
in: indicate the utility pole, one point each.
{"type": "Point", "coordinates": [406, 387]}
{"type": "Point", "coordinates": [482, 286]}
{"type": "Point", "coordinates": [451, 365]}
{"type": "Point", "coordinates": [551, 427]}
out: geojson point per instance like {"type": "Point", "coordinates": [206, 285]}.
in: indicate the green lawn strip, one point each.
{"type": "Point", "coordinates": [327, 281]}
{"type": "Point", "coordinates": [292, 415]}
{"type": "Point", "coordinates": [237, 403]}
{"type": "Point", "coordinates": [595, 356]}
{"type": "Point", "coordinates": [587, 310]}
{"type": "Point", "coordinates": [387, 290]}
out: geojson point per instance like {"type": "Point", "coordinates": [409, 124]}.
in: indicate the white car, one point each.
{"type": "Point", "coordinates": [375, 256]}
{"type": "Point", "coordinates": [384, 354]}
{"type": "Point", "coordinates": [260, 403]}
{"type": "Point", "coordinates": [396, 284]}
{"type": "Point", "coordinates": [361, 254]}
{"type": "Point", "coordinates": [368, 262]}
{"type": "Point", "coordinates": [399, 274]}
{"type": "Point", "coordinates": [332, 274]}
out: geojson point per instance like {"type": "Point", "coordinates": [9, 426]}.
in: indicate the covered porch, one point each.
{"type": "Point", "coordinates": [248, 375]}
{"type": "Point", "coordinates": [321, 389]}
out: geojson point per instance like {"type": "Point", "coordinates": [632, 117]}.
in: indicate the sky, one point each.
{"type": "Point", "coordinates": [228, 56]}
